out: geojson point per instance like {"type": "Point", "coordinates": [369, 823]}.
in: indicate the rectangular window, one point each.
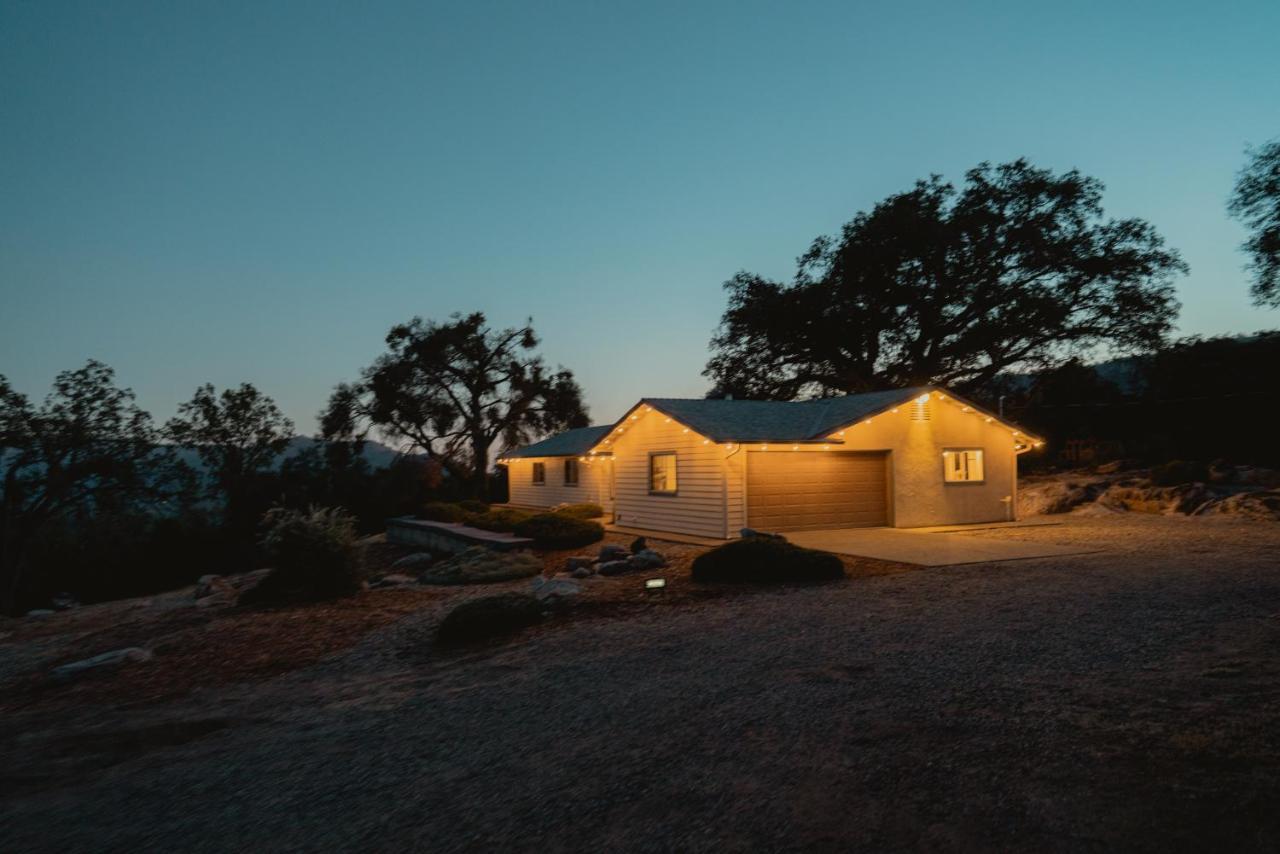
{"type": "Point", "coordinates": [962, 466]}
{"type": "Point", "coordinates": [539, 474]}
{"type": "Point", "coordinates": [662, 473]}
{"type": "Point", "coordinates": [570, 472]}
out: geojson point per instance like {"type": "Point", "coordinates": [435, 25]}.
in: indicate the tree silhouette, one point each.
{"type": "Point", "coordinates": [451, 390]}
{"type": "Point", "coordinates": [86, 447]}
{"type": "Point", "coordinates": [1256, 202]}
{"type": "Point", "coordinates": [238, 435]}
{"type": "Point", "coordinates": [938, 285]}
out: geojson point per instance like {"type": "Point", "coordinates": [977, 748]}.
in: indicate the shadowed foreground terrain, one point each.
{"type": "Point", "coordinates": [1126, 698]}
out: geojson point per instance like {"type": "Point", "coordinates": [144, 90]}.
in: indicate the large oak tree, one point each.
{"type": "Point", "coordinates": [451, 390]}
{"type": "Point", "coordinates": [1017, 268]}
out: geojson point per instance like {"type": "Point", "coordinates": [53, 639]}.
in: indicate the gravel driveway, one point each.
{"type": "Point", "coordinates": [1121, 699]}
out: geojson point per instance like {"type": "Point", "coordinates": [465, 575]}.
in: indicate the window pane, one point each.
{"type": "Point", "coordinates": [539, 472]}
{"type": "Point", "coordinates": [571, 472]}
{"type": "Point", "coordinates": [662, 473]}
{"type": "Point", "coordinates": [961, 466]}
{"type": "Point", "coordinates": [974, 465]}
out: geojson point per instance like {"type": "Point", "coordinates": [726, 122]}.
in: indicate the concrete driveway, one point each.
{"type": "Point", "coordinates": [926, 546]}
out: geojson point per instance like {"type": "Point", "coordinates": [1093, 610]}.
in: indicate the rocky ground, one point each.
{"type": "Point", "coordinates": [1125, 698]}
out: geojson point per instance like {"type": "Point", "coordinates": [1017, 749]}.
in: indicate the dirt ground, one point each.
{"type": "Point", "coordinates": [1126, 698]}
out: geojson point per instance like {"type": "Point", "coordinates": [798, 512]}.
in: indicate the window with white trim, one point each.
{"type": "Point", "coordinates": [662, 473]}
{"type": "Point", "coordinates": [962, 465]}
{"type": "Point", "coordinates": [539, 474]}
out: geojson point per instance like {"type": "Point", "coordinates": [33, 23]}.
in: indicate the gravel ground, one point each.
{"type": "Point", "coordinates": [1120, 699]}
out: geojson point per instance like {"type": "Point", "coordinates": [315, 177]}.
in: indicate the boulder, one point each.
{"type": "Point", "coordinates": [747, 533]}
{"type": "Point", "coordinates": [611, 552]}
{"type": "Point", "coordinates": [583, 572]}
{"type": "Point", "coordinates": [578, 562]}
{"type": "Point", "coordinates": [614, 567]}
{"type": "Point", "coordinates": [639, 544]}
{"type": "Point", "coordinates": [554, 589]}
{"type": "Point", "coordinates": [64, 602]}
{"type": "Point", "coordinates": [103, 662]}
{"type": "Point", "coordinates": [394, 579]}
{"type": "Point", "coordinates": [413, 563]}
{"type": "Point", "coordinates": [208, 585]}
{"type": "Point", "coordinates": [1166, 500]}
{"type": "Point", "coordinates": [1263, 506]}
{"type": "Point", "coordinates": [647, 559]}
{"type": "Point", "coordinates": [1037, 498]}
{"type": "Point", "coordinates": [489, 616]}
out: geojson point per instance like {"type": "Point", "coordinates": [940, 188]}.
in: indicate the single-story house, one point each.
{"type": "Point", "coordinates": [905, 458]}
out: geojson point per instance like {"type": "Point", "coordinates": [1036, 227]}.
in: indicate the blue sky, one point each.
{"type": "Point", "coordinates": [222, 192]}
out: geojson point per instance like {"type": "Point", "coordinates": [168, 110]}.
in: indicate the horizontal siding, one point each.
{"type": "Point", "coordinates": [592, 486]}
{"type": "Point", "coordinates": [698, 507]}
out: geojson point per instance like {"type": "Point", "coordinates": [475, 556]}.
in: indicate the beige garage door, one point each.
{"type": "Point", "coordinates": [806, 491]}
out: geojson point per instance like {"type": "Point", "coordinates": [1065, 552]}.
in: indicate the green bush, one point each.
{"type": "Point", "coordinates": [471, 505]}
{"type": "Point", "coordinates": [312, 554]}
{"type": "Point", "coordinates": [478, 565]}
{"type": "Point", "coordinates": [443, 511]}
{"type": "Point", "coordinates": [580, 511]}
{"type": "Point", "coordinates": [554, 531]}
{"type": "Point", "coordinates": [765, 560]}
{"type": "Point", "coordinates": [502, 519]}
{"type": "Point", "coordinates": [1178, 472]}
{"type": "Point", "coordinates": [489, 617]}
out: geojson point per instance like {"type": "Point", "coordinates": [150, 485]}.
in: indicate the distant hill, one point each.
{"type": "Point", "coordinates": [376, 454]}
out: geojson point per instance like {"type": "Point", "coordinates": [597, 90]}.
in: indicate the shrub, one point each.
{"type": "Point", "coordinates": [579, 511]}
{"type": "Point", "coordinates": [443, 511]}
{"type": "Point", "coordinates": [471, 505]}
{"type": "Point", "coordinates": [765, 560]}
{"type": "Point", "coordinates": [554, 531]}
{"type": "Point", "coordinates": [478, 565]}
{"type": "Point", "coordinates": [502, 519]}
{"type": "Point", "coordinates": [312, 554]}
{"type": "Point", "coordinates": [1178, 472]}
{"type": "Point", "coordinates": [489, 617]}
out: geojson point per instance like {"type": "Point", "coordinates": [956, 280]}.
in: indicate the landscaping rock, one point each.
{"type": "Point", "coordinates": [1056, 496]}
{"type": "Point", "coordinates": [747, 533]}
{"type": "Point", "coordinates": [639, 544]}
{"type": "Point", "coordinates": [414, 563]}
{"type": "Point", "coordinates": [611, 552]}
{"type": "Point", "coordinates": [578, 562]}
{"type": "Point", "coordinates": [64, 602]}
{"type": "Point", "coordinates": [1261, 506]}
{"type": "Point", "coordinates": [105, 661]}
{"type": "Point", "coordinates": [647, 559]}
{"type": "Point", "coordinates": [394, 579]}
{"type": "Point", "coordinates": [39, 613]}
{"type": "Point", "coordinates": [554, 589]}
{"type": "Point", "coordinates": [1166, 500]}
{"type": "Point", "coordinates": [208, 585]}
{"type": "Point", "coordinates": [478, 565]}
{"type": "Point", "coordinates": [489, 616]}
{"type": "Point", "coordinates": [614, 567]}
{"type": "Point", "coordinates": [583, 572]}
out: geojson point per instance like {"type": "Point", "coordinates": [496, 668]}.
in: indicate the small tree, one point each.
{"type": "Point", "coordinates": [238, 435]}
{"type": "Point", "coordinates": [86, 448]}
{"type": "Point", "coordinates": [938, 285]}
{"type": "Point", "coordinates": [451, 390]}
{"type": "Point", "coordinates": [1256, 202]}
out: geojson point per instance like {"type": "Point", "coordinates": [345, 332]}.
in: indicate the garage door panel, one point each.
{"type": "Point", "coordinates": [810, 491]}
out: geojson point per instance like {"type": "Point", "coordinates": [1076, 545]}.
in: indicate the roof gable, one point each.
{"type": "Point", "coordinates": [570, 443]}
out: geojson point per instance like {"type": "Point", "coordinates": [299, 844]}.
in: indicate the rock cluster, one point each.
{"type": "Point", "coordinates": [615, 560]}
{"type": "Point", "coordinates": [478, 565]}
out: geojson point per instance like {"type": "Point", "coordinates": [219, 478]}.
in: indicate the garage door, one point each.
{"type": "Point", "coordinates": [806, 491]}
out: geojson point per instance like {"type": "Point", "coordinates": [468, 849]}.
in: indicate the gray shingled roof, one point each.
{"type": "Point", "coordinates": [775, 420]}
{"type": "Point", "coordinates": [570, 443]}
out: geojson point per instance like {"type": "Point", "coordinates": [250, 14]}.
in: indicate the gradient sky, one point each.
{"type": "Point", "coordinates": [221, 192]}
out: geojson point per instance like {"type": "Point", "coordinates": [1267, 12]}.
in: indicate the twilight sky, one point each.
{"type": "Point", "coordinates": [220, 192]}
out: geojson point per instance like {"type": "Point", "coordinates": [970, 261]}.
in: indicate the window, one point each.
{"type": "Point", "coordinates": [662, 473]}
{"type": "Point", "coordinates": [570, 472]}
{"type": "Point", "coordinates": [962, 466]}
{"type": "Point", "coordinates": [539, 474]}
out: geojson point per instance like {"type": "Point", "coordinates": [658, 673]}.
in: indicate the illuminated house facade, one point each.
{"type": "Point", "coordinates": [904, 458]}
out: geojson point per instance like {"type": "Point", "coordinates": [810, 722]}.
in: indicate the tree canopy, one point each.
{"type": "Point", "coordinates": [86, 445]}
{"type": "Point", "coordinates": [238, 434]}
{"type": "Point", "coordinates": [1256, 202]}
{"type": "Point", "coordinates": [451, 390]}
{"type": "Point", "coordinates": [1018, 268]}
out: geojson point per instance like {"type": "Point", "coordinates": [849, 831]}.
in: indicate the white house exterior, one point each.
{"type": "Point", "coordinates": [906, 458]}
